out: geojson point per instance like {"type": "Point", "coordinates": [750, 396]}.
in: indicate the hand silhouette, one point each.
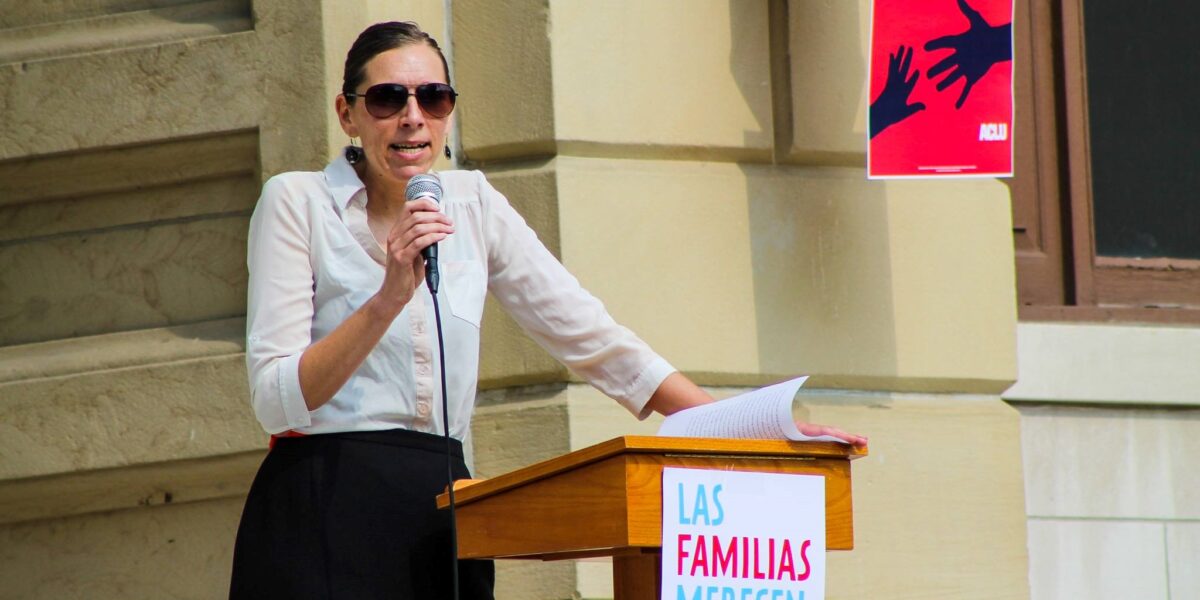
{"type": "Point", "coordinates": [975, 51]}
{"type": "Point", "coordinates": [892, 105]}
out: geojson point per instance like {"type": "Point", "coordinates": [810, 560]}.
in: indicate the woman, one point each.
{"type": "Point", "coordinates": [341, 343]}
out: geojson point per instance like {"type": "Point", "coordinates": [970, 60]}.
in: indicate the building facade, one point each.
{"type": "Point", "coordinates": [717, 143]}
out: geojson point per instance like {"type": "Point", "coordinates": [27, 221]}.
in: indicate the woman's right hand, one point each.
{"type": "Point", "coordinates": [419, 225]}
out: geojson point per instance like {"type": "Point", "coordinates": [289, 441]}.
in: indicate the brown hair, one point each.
{"type": "Point", "coordinates": [380, 38]}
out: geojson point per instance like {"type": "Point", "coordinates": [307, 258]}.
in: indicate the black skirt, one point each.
{"type": "Point", "coordinates": [353, 515]}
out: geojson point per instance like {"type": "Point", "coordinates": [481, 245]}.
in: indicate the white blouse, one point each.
{"type": "Point", "coordinates": [313, 261]}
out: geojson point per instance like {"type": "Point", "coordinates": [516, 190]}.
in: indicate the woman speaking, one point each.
{"type": "Point", "coordinates": [342, 342]}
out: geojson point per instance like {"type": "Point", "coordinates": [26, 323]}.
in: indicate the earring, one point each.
{"type": "Point", "coordinates": [447, 151]}
{"type": "Point", "coordinates": [354, 154]}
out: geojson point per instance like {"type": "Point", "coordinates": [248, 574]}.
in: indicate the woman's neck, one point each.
{"type": "Point", "coordinates": [384, 195]}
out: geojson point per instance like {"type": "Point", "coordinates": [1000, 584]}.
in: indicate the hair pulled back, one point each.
{"type": "Point", "coordinates": [380, 38]}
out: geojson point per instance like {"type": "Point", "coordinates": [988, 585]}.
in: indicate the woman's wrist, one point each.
{"type": "Point", "coordinates": [384, 307]}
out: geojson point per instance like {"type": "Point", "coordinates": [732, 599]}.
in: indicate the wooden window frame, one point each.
{"type": "Point", "coordinates": [1060, 277]}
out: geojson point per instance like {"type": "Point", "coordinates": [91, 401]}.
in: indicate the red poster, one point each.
{"type": "Point", "coordinates": [941, 89]}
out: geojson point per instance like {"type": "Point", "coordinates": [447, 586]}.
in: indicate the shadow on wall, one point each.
{"type": "Point", "coordinates": [819, 234]}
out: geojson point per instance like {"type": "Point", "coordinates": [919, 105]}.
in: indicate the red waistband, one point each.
{"type": "Point", "coordinates": [286, 434]}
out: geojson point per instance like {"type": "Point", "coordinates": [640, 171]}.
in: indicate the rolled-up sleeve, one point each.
{"type": "Point", "coordinates": [279, 307]}
{"type": "Point", "coordinates": [562, 317]}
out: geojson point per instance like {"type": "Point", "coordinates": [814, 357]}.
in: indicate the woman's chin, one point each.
{"type": "Point", "coordinates": [408, 169]}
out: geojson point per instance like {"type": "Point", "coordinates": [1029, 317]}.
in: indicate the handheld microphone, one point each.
{"type": "Point", "coordinates": [427, 185]}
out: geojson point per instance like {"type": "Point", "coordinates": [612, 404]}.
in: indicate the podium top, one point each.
{"type": "Point", "coordinates": [641, 444]}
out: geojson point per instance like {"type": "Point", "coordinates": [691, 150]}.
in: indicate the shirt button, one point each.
{"type": "Point", "coordinates": [422, 409]}
{"type": "Point", "coordinates": [423, 369]}
{"type": "Point", "coordinates": [420, 327]}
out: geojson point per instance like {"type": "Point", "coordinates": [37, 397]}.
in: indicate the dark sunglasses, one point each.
{"type": "Point", "coordinates": [386, 99]}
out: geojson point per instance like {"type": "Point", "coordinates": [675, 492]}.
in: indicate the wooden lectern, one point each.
{"type": "Point", "coordinates": [606, 500]}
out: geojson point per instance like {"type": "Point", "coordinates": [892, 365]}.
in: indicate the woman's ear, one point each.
{"type": "Point", "coordinates": [344, 110]}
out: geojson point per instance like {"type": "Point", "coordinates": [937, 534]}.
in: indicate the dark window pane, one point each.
{"type": "Point", "coordinates": [1144, 123]}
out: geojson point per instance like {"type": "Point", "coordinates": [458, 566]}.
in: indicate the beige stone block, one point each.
{"type": "Point", "coordinates": [525, 579]}
{"type": "Point", "coordinates": [1107, 363]}
{"type": "Point", "coordinates": [827, 45]}
{"type": "Point", "coordinates": [953, 282]}
{"type": "Point", "coordinates": [1183, 556]}
{"type": "Point", "coordinates": [83, 355]}
{"type": "Point", "coordinates": [938, 504]}
{"type": "Point", "coordinates": [1125, 463]}
{"type": "Point", "coordinates": [502, 68]}
{"type": "Point", "coordinates": [429, 14]}
{"type": "Point", "coordinates": [516, 427]}
{"type": "Point", "coordinates": [772, 272]}
{"type": "Point", "coordinates": [175, 410]}
{"type": "Point", "coordinates": [56, 37]}
{"type": "Point", "coordinates": [123, 279]}
{"type": "Point", "coordinates": [27, 14]}
{"type": "Point", "coordinates": [177, 551]}
{"type": "Point", "coordinates": [679, 78]}
{"type": "Point", "coordinates": [88, 174]}
{"type": "Point", "coordinates": [298, 75]}
{"type": "Point", "coordinates": [661, 77]}
{"type": "Point", "coordinates": [1096, 559]}
{"type": "Point", "coordinates": [131, 95]}
{"type": "Point", "coordinates": [103, 211]}
{"type": "Point", "coordinates": [103, 490]}
{"type": "Point", "coordinates": [667, 248]}
{"type": "Point", "coordinates": [594, 577]}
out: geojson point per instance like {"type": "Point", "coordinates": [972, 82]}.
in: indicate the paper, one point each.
{"type": "Point", "coordinates": [764, 413]}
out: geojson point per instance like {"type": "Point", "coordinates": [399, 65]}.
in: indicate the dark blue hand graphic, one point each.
{"type": "Point", "coordinates": [975, 51]}
{"type": "Point", "coordinates": [892, 105]}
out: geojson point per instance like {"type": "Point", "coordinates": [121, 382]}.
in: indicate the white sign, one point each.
{"type": "Point", "coordinates": [732, 535]}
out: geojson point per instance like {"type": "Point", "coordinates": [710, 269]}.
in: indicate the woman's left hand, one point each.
{"type": "Point", "coordinates": [814, 430]}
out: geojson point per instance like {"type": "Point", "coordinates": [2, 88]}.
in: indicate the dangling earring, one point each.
{"type": "Point", "coordinates": [447, 151]}
{"type": "Point", "coordinates": [354, 154]}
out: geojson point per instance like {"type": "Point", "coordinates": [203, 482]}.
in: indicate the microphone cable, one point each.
{"type": "Point", "coordinates": [437, 317]}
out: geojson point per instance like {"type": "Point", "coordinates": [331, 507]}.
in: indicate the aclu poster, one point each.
{"type": "Point", "coordinates": [730, 535]}
{"type": "Point", "coordinates": [941, 89]}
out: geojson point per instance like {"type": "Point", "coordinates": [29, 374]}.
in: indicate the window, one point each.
{"type": "Point", "coordinates": [1106, 201]}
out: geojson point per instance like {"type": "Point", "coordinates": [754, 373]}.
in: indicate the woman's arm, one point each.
{"type": "Point", "coordinates": [328, 363]}
{"type": "Point", "coordinates": [677, 392]}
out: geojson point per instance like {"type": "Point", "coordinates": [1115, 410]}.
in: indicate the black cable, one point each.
{"type": "Point", "coordinates": [437, 317]}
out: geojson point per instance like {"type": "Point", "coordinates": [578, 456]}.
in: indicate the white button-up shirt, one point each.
{"type": "Point", "coordinates": [313, 261]}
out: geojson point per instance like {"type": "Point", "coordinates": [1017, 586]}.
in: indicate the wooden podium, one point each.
{"type": "Point", "coordinates": [606, 500]}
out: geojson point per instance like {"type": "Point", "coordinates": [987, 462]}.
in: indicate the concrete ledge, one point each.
{"type": "Point", "coordinates": [1094, 363]}
{"type": "Point", "coordinates": [181, 551]}
{"type": "Point", "coordinates": [64, 38]}
{"type": "Point", "coordinates": [119, 350]}
{"type": "Point", "coordinates": [126, 416]}
{"type": "Point", "coordinates": [175, 482]}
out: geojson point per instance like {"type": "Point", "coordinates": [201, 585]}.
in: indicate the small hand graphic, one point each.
{"type": "Point", "coordinates": [892, 105]}
{"type": "Point", "coordinates": [975, 51]}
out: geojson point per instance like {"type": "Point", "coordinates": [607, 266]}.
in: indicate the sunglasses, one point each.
{"type": "Point", "coordinates": [386, 99]}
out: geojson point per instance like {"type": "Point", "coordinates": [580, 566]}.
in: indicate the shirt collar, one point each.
{"type": "Point", "coordinates": [343, 181]}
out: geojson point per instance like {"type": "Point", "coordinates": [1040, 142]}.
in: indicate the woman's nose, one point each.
{"type": "Point", "coordinates": [412, 115]}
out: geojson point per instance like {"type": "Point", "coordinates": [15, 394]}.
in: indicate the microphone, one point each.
{"type": "Point", "coordinates": [426, 185]}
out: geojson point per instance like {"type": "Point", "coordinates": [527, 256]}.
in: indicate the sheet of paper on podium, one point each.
{"type": "Point", "coordinates": [765, 413]}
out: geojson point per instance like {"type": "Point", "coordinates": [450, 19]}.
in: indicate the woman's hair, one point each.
{"type": "Point", "coordinates": [380, 38]}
